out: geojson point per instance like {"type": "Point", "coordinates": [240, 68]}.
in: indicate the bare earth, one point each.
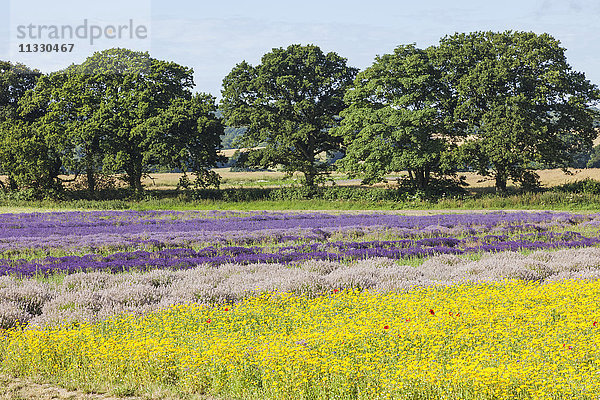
{"type": "Point", "coordinates": [21, 389]}
{"type": "Point", "coordinates": [24, 389]}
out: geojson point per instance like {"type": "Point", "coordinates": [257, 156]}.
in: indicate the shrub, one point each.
{"type": "Point", "coordinates": [587, 185]}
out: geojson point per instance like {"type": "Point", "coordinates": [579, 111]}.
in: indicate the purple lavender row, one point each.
{"type": "Point", "coordinates": [174, 259]}
{"type": "Point", "coordinates": [137, 229]}
{"type": "Point", "coordinates": [71, 223]}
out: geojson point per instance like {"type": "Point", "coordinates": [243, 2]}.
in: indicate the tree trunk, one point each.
{"type": "Point", "coordinates": [309, 178]}
{"type": "Point", "coordinates": [310, 172]}
{"type": "Point", "coordinates": [421, 178]}
{"type": "Point", "coordinates": [12, 184]}
{"type": "Point", "coordinates": [91, 180]}
{"type": "Point", "coordinates": [135, 179]}
{"type": "Point", "coordinates": [90, 165]}
{"type": "Point", "coordinates": [501, 180]}
{"type": "Point", "coordinates": [89, 172]}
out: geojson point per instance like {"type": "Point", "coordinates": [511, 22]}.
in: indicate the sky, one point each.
{"type": "Point", "coordinates": [212, 37]}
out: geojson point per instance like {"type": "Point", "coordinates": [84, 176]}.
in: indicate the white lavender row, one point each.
{"type": "Point", "coordinates": [98, 295]}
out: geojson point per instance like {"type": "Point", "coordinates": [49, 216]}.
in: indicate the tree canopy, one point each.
{"type": "Point", "coordinates": [395, 119]}
{"type": "Point", "coordinates": [519, 102]}
{"type": "Point", "coordinates": [122, 110]}
{"type": "Point", "coordinates": [498, 103]}
{"type": "Point", "coordinates": [26, 155]}
{"type": "Point", "coordinates": [288, 104]}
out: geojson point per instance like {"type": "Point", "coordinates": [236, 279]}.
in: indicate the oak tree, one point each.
{"type": "Point", "coordinates": [26, 155]}
{"type": "Point", "coordinates": [288, 105]}
{"type": "Point", "coordinates": [123, 111]}
{"type": "Point", "coordinates": [395, 120]}
{"type": "Point", "coordinates": [519, 102]}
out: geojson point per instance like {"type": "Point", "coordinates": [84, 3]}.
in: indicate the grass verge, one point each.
{"type": "Point", "coordinates": [527, 201]}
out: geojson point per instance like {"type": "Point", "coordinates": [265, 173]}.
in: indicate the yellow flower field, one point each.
{"type": "Point", "coordinates": [509, 340]}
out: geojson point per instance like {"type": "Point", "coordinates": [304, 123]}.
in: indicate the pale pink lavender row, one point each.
{"type": "Point", "coordinates": [99, 295]}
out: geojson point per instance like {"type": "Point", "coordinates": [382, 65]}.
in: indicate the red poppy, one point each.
{"type": "Point", "coordinates": [208, 321]}
{"type": "Point", "coordinates": [450, 313]}
{"type": "Point", "coordinates": [335, 290]}
{"type": "Point", "coordinates": [595, 323]}
{"type": "Point", "coordinates": [226, 309]}
{"type": "Point", "coordinates": [431, 312]}
{"type": "Point", "coordinates": [386, 327]}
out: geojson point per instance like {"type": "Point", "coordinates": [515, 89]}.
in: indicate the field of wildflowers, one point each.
{"type": "Point", "coordinates": [304, 305]}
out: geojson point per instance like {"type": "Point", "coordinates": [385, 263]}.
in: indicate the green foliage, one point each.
{"type": "Point", "coordinates": [519, 100]}
{"type": "Point", "coordinates": [329, 193]}
{"type": "Point", "coordinates": [594, 160]}
{"type": "Point", "coordinates": [134, 88]}
{"type": "Point", "coordinates": [123, 111]}
{"type": "Point", "coordinates": [15, 80]}
{"type": "Point", "coordinates": [596, 112]}
{"type": "Point", "coordinates": [69, 123]}
{"type": "Point", "coordinates": [230, 137]}
{"type": "Point", "coordinates": [240, 163]}
{"type": "Point", "coordinates": [347, 199]}
{"type": "Point", "coordinates": [186, 136]}
{"type": "Point", "coordinates": [500, 104]}
{"type": "Point", "coordinates": [587, 186]}
{"type": "Point", "coordinates": [26, 154]}
{"type": "Point", "coordinates": [288, 103]}
{"type": "Point", "coordinates": [395, 119]}
{"type": "Point", "coordinates": [32, 165]}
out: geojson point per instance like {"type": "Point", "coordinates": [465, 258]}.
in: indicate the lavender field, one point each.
{"type": "Point", "coordinates": [68, 242]}
{"type": "Point", "coordinates": [86, 266]}
{"type": "Point", "coordinates": [274, 305]}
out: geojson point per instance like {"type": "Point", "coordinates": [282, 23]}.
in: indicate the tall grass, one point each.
{"type": "Point", "coordinates": [525, 201]}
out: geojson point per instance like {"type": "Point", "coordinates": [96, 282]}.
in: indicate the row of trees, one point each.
{"type": "Point", "coordinates": [495, 103]}
{"type": "Point", "coordinates": [120, 111]}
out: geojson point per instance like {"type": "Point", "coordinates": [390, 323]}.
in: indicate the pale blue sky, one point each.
{"type": "Point", "coordinates": [213, 36]}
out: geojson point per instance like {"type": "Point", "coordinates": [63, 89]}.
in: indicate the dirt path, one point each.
{"type": "Point", "coordinates": [21, 389]}
{"type": "Point", "coordinates": [25, 389]}
{"type": "Point", "coordinates": [421, 212]}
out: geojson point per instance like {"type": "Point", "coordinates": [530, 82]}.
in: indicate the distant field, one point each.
{"type": "Point", "coordinates": [157, 181]}
{"type": "Point", "coordinates": [550, 177]}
